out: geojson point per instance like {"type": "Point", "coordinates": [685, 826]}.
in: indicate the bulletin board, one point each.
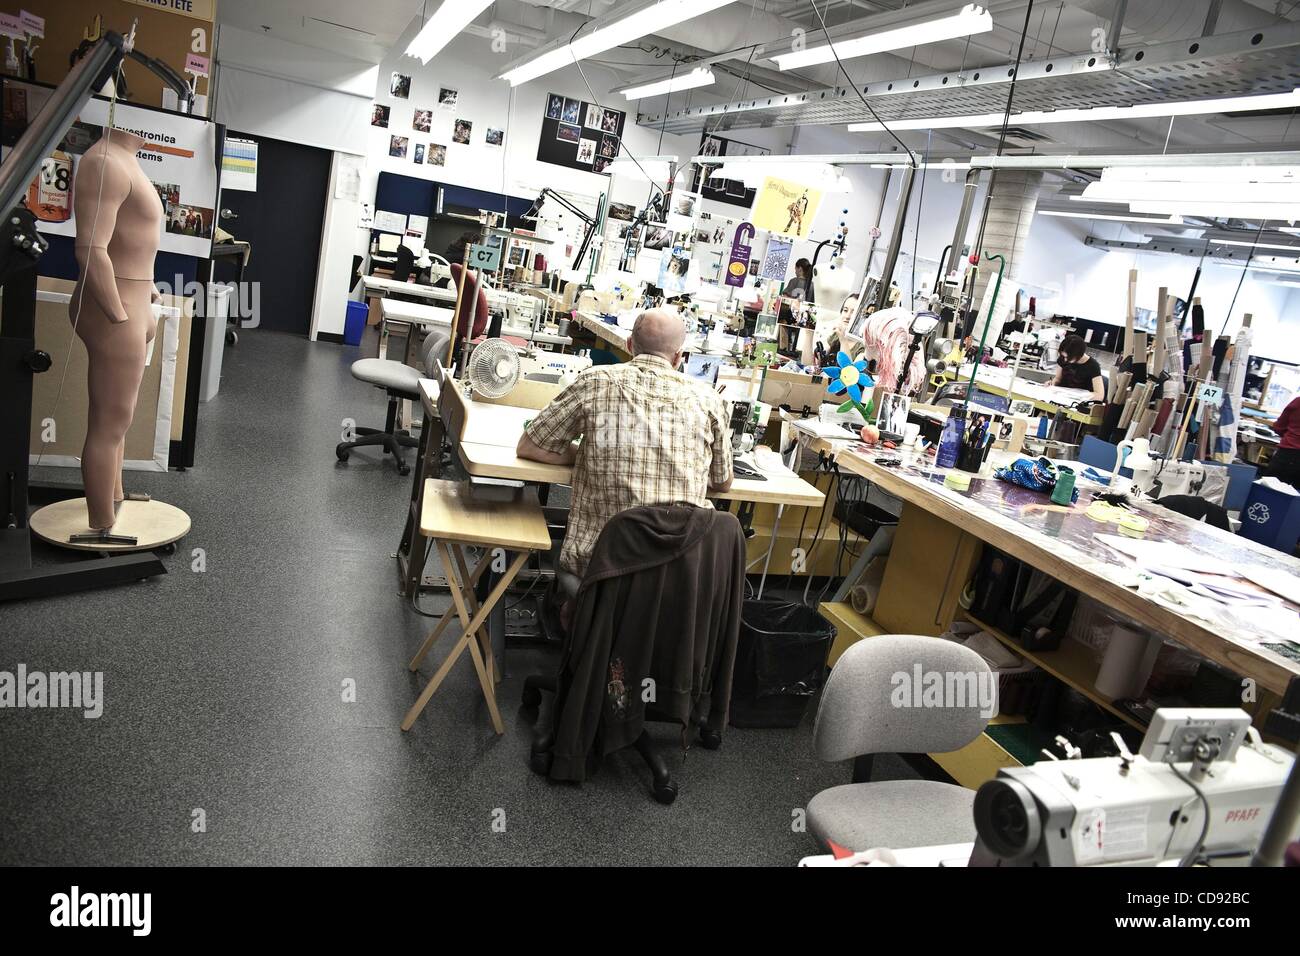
{"type": "Point", "coordinates": [580, 135]}
{"type": "Point", "coordinates": [725, 190]}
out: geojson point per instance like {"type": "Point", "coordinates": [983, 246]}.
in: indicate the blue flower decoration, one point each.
{"type": "Point", "coordinates": [850, 377]}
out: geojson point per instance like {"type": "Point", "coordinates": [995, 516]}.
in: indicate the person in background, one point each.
{"type": "Point", "coordinates": [836, 340]}
{"type": "Point", "coordinates": [797, 287]}
{"type": "Point", "coordinates": [472, 313]}
{"type": "Point", "coordinates": [1078, 369]}
{"type": "Point", "coordinates": [650, 435]}
{"type": "Point", "coordinates": [1285, 463]}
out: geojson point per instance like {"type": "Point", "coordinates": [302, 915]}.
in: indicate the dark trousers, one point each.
{"type": "Point", "coordinates": [1285, 466]}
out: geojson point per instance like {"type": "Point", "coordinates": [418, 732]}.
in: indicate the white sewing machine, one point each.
{"type": "Point", "coordinates": [1144, 810]}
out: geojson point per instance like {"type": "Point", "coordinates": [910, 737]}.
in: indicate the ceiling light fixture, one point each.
{"type": "Point", "coordinates": [451, 17]}
{"type": "Point", "coordinates": [700, 76]}
{"type": "Point", "coordinates": [1231, 104]}
{"type": "Point", "coordinates": [628, 23]}
{"type": "Point", "coordinates": [1145, 220]}
{"type": "Point", "coordinates": [967, 21]}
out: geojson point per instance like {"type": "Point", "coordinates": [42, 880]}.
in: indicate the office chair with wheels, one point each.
{"type": "Point", "coordinates": [581, 657]}
{"type": "Point", "coordinates": [400, 382]}
{"type": "Point", "coordinates": [858, 717]}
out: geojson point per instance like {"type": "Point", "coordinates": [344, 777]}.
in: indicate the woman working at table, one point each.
{"type": "Point", "coordinates": [1078, 369]}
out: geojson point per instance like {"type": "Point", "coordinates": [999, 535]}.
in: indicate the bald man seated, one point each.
{"type": "Point", "coordinates": [650, 435]}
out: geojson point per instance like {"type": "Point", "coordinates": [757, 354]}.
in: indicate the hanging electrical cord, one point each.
{"type": "Point", "coordinates": [94, 226]}
{"type": "Point", "coordinates": [1242, 278]}
{"type": "Point", "coordinates": [920, 208]}
{"type": "Point", "coordinates": [848, 79]}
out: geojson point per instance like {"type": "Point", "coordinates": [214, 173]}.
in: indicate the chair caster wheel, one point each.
{"type": "Point", "coordinates": [540, 762]}
{"type": "Point", "coordinates": [168, 548]}
{"type": "Point", "coordinates": [531, 698]}
{"type": "Point", "coordinates": [342, 454]}
{"type": "Point", "coordinates": [665, 793]}
{"type": "Point", "coordinates": [710, 739]}
{"type": "Point", "coordinates": [403, 469]}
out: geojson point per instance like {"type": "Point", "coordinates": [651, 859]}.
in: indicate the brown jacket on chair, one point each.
{"type": "Point", "coordinates": [661, 602]}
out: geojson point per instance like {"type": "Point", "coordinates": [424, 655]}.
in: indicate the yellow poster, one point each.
{"type": "Point", "coordinates": [786, 208]}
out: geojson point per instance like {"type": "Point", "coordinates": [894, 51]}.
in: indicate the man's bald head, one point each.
{"type": "Point", "coordinates": [658, 332]}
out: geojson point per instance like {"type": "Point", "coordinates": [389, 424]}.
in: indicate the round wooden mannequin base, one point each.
{"type": "Point", "coordinates": [152, 523]}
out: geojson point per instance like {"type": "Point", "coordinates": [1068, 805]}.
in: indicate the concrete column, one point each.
{"type": "Point", "coordinates": [1011, 206]}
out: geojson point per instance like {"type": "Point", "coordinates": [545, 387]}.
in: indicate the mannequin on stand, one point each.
{"type": "Point", "coordinates": [119, 226]}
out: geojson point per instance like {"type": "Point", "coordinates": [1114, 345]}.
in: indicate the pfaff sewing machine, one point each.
{"type": "Point", "coordinates": [1202, 787]}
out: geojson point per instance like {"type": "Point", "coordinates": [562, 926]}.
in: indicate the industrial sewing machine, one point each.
{"type": "Point", "coordinates": [1202, 788]}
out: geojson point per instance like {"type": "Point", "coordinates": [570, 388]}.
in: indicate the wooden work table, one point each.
{"type": "Point", "coordinates": [1059, 541]}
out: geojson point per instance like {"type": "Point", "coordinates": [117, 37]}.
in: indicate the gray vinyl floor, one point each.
{"type": "Point", "coordinates": [223, 688]}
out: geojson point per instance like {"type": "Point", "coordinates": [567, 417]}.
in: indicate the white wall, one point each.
{"type": "Point", "coordinates": [1072, 278]}
{"type": "Point", "coordinates": [300, 94]}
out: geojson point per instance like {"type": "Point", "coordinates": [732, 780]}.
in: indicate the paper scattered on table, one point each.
{"type": "Point", "coordinates": [1166, 554]}
{"type": "Point", "coordinates": [1279, 582]}
{"type": "Point", "coordinates": [821, 429]}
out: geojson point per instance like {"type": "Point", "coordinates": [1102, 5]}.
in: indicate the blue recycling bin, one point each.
{"type": "Point", "coordinates": [1271, 517]}
{"type": "Point", "coordinates": [355, 323]}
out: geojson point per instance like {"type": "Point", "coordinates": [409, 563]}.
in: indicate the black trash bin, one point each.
{"type": "Point", "coordinates": [780, 663]}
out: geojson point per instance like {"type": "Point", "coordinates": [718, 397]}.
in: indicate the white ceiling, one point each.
{"type": "Point", "coordinates": [361, 29]}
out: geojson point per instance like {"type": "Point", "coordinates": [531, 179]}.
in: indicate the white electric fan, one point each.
{"type": "Point", "coordinates": [493, 368]}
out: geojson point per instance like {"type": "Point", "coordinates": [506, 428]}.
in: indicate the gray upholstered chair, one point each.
{"type": "Point", "coordinates": [401, 382]}
{"type": "Point", "coordinates": [857, 717]}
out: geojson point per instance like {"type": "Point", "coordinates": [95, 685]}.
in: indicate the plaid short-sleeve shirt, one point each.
{"type": "Point", "coordinates": [650, 435]}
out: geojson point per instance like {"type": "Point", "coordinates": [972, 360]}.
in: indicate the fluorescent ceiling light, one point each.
{"type": "Point", "coordinates": [1244, 172]}
{"type": "Point", "coordinates": [1231, 104]}
{"type": "Point", "coordinates": [1212, 208]}
{"type": "Point", "coordinates": [823, 176]}
{"type": "Point", "coordinates": [1147, 220]}
{"type": "Point", "coordinates": [641, 19]}
{"type": "Point", "coordinates": [968, 21]}
{"type": "Point", "coordinates": [447, 21]}
{"type": "Point", "coordinates": [700, 76]}
{"type": "Point", "coordinates": [1255, 245]}
{"type": "Point", "coordinates": [939, 164]}
{"type": "Point", "coordinates": [1225, 192]}
{"type": "Point", "coordinates": [655, 169]}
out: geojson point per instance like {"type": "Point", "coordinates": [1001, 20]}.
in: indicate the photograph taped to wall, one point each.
{"type": "Point", "coordinates": [418, 155]}
{"type": "Point", "coordinates": [397, 146]}
{"type": "Point", "coordinates": [595, 116]}
{"type": "Point", "coordinates": [608, 146]}
{"type": "Point", "coordinates": [657, 236]}
{"type": "Point", "coordinates": [461, 132]}
{"type": "Point", "coordinates": [622, 210]}
{"type": "Point", "coordinates": [422, 121]}
{"type": "Point", "coordinates": [675, 276]}
{"type": "Point", "coordinates": [437, 155]}
{"type": "Point", "coordinates": [447, 98]}
{"type": "Point", "coordinates": [600, 164]}
{"type": "Point", "coordinates": [179, 154]}
{"type": "Point", "coordinates": [586, 151]}
{"type": "Point", "coordinates": [379, 115]}
{"type": "Point", "coordinates": [568, 134]}
{"type": "Point", "coordinates": [555, 106]}
{"type": "Point", "coordinates": [496, 137]}
{"type": "Point", "coordinates": [572, 112]}
{"type": "Point", "coordinates": [400, 86]}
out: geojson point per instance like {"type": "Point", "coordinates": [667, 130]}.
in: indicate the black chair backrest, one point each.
{"type": "Point", "coordinates": [1197, 509]}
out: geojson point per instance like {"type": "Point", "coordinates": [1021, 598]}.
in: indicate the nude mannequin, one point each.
{"type": "Point", "coordinates": [119, 223]}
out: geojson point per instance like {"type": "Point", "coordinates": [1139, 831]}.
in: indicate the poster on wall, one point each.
{"type": "Point", "coordinates": [725, 190]}
{"type": "Point", "coordinates": [579, 135]}
{"type": "Point", "coordinates": [786, 208]}
{"type": "Point", "coordinates": [239, 164]}
{"type": "Point", "coordinates": [776, 261]}
{"type": "Point", "coordinates": [179, 157]}
{"type": "Point", "coordinates": [738, 264]}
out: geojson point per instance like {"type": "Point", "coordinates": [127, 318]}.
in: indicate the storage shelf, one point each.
{"type": "Point", "coordinates": [1072, 664]}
